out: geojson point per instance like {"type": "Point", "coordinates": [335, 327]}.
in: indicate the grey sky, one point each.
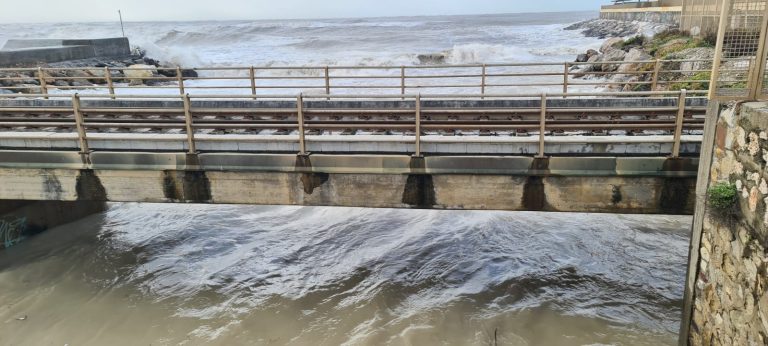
{"type": "Point", "coordinates": [25, 11]}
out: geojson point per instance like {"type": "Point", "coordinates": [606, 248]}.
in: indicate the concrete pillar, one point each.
{"type": "Point", "coordinates": [21, 219]}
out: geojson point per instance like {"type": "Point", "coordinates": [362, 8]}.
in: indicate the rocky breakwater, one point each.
{"type": "Point", "coordinates": [134, 70]}
{"type": "Point", "coordinates": [630, 64]}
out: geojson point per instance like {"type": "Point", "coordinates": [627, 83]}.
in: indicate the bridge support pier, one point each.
{"type": "Point", "coordinates": [21, 219]}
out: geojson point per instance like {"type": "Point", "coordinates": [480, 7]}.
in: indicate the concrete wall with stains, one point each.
{"type": "Point", "coordinates": [616, 185]}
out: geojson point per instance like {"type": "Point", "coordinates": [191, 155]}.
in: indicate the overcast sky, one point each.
{"type": "Point", "coordinates": [26, 11]}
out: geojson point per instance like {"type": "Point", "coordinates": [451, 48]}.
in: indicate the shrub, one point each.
{"type": "Point", "coordinates": [699, 81]}
{"type": "Point", "coordinates": [723, 198]}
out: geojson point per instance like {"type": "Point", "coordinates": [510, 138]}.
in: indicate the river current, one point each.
{"type": "Point", "coordinates": [164, 274]}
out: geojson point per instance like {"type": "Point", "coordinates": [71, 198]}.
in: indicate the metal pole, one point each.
{"type": "Point", "coordinates": [542, 124]}
{"type": "Point", "coordinates": [43, 87]}
{"type": "Point", "coordinates": [402, 80]}
{"type": "Point", "coordinates": [760, 61]}
{"type": "Point", "coordinates": [110, 84]}
{"type": "Point", "coordinates": [418, 125]}
{"type": "Point", "coordinates": [725, 13]}
{"type": "Point", "coordinates": [656, 69]}
{"type": "Point", "coordinates": [679, 124]}
{"type": "Point", "coordinates": [300, 117]}
{"type": "Point", "coordinates": [565, 79]}
{"type": "Point", "coordinates": [79, 124]}
{"type": "Point", "coordinates": [482, 83]}
{"type": "Point", "coordinates": [120, 13]}
{"type": "Point", "coordinates": [188, 123]}
{"type": "Point", "coordinates": [327, 82]}
{"type": "Point", "coordinates": [252, 74]}
{"type": "Point", "coordinates": [180, 79]}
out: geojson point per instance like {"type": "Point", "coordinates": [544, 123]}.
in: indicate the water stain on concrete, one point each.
{"type": "Point", "coordinates": [88, 186]}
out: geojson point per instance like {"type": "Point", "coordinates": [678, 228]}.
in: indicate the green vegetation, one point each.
{"type": "Point", "coordinates": [699, 81]}
{"type": "Point", "coordinates": [672, 41]}
{"type": "Point", "coordinates": [723, 198]}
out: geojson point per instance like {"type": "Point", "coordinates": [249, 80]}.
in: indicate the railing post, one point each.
{"type": "Point", "coordinates": [180, 80]}
{"type": "Point", "coordinates": [41, 77]}
{"type": "Point", "coordinates": [79, 124]}
{"type": "Point", "coordinates": [327, 82]}
{"type": "Point", "coordinates": [566, 74]}
{"type": "Point", "coordinates": [191, 148]}
{"type": "Point", "coordinates": [252, 74]}
{"type": "Point", "coordinates": [542, 125]}
{"type": "Point", "coordinates": [482, 83]}
{"type": "Point", "coordinates": [656, 69]}
{"type": "Point", "coordinates": [110, 84]}
{"type": "Point", "coordinates": [418, 125]}
{"type": "Point", "coordinates": [679, 124]}
{"type": "Point", "coordinates": [300, 119]}
{"type": "Point", "coordinates": [402, 80]}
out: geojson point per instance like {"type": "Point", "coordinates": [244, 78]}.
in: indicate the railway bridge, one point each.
{"type": "Point", "coordinates": [619, 152]}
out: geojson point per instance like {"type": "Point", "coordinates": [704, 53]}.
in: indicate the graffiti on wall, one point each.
{"type": "Point", "coordinates": [12, 231]}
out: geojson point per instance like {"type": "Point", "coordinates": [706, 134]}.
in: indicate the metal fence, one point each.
{"type": "Point", "coordinates": [565, 78]}
{"type": "Point", "coordinates": [305, 117]}
{"type": "Point", "coordinates": [740, 56]}
{"type": "Point", "coordinates": [701, 17]}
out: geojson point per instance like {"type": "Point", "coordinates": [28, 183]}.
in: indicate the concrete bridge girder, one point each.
{"type": "Point", "coordinates": [604, 184]}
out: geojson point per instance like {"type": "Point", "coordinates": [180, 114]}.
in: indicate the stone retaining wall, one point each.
{"type": "Point", "coordinates": [730, 305]}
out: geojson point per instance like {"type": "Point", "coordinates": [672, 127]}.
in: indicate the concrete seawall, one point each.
{"type": "Point", "coordinates": [26, 52]}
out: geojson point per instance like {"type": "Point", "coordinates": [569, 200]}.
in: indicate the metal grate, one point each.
{"type": "Point", "coordinates": [740, 54]}
{"type": "Point", "coordinates": [700, 17]}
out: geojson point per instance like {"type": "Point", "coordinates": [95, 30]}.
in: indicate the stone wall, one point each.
{"type": "Point", "coordinates": [730, 305]}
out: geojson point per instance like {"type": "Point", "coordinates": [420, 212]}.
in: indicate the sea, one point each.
{"type": "Point", "coordinates": [177, 274]}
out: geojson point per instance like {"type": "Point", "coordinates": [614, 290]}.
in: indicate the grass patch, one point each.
{"type": "Point", "coordinates": [723, 199]}
{"type": "Point", "coordinates": [699, 81]}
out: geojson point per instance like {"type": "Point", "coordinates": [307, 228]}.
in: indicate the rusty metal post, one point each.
{"type": "Point", "coordinates": [41, 77]}
{"type": "Point", "coordinates": [191, 148]}
{"type": "Point", "coordinates": [482, 82]}
{"type": "Point", "coordinates": [542, 125]}
{"type": "Point", "coordinates": [402, 80]}
{"type": "Point", "coordinates": [566, 74]}
{"type": "Point", "coordinates": [679, 124]}
{"type": "Point", "coordinates": [79, 124]}
{"type": "Point", "coordinates": [418, 125]}
{"type": "Point", "coordinates": [180, 79]}
{"type": "Point", "coordinates": [110, 84]}
{"type": "Point", "coordinates": [327, 82]}
{"type": "Point", "coordinates": [252, 74]}
{"type": "Point", "coordinates": [300, 119]}
{"type": "Point", "coordinates": [656, 69]}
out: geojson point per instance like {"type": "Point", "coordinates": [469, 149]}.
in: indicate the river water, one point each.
{"type": "Point", "coordinates": [164, 274]}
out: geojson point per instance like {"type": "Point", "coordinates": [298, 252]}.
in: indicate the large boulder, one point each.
{"type": "Point", "coordinates": [612, 55]}
{"type": "Point", "coordinates": [611, 44]}
{"type": "Point", "coordinates": [635, 54]}
{"type": "Point", "coordinates": [137, 73]}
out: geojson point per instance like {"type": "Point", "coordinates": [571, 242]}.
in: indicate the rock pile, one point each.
{"type": "Point", "coordinates": [132, 69]}
{"type": "Point", "coordinates": [604, 28]}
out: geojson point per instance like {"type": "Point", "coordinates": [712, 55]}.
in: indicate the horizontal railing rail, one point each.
{"type": "Point", "coordinates": [566, 77]}
{"type": "Point", "coordinates": [305, 116]}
